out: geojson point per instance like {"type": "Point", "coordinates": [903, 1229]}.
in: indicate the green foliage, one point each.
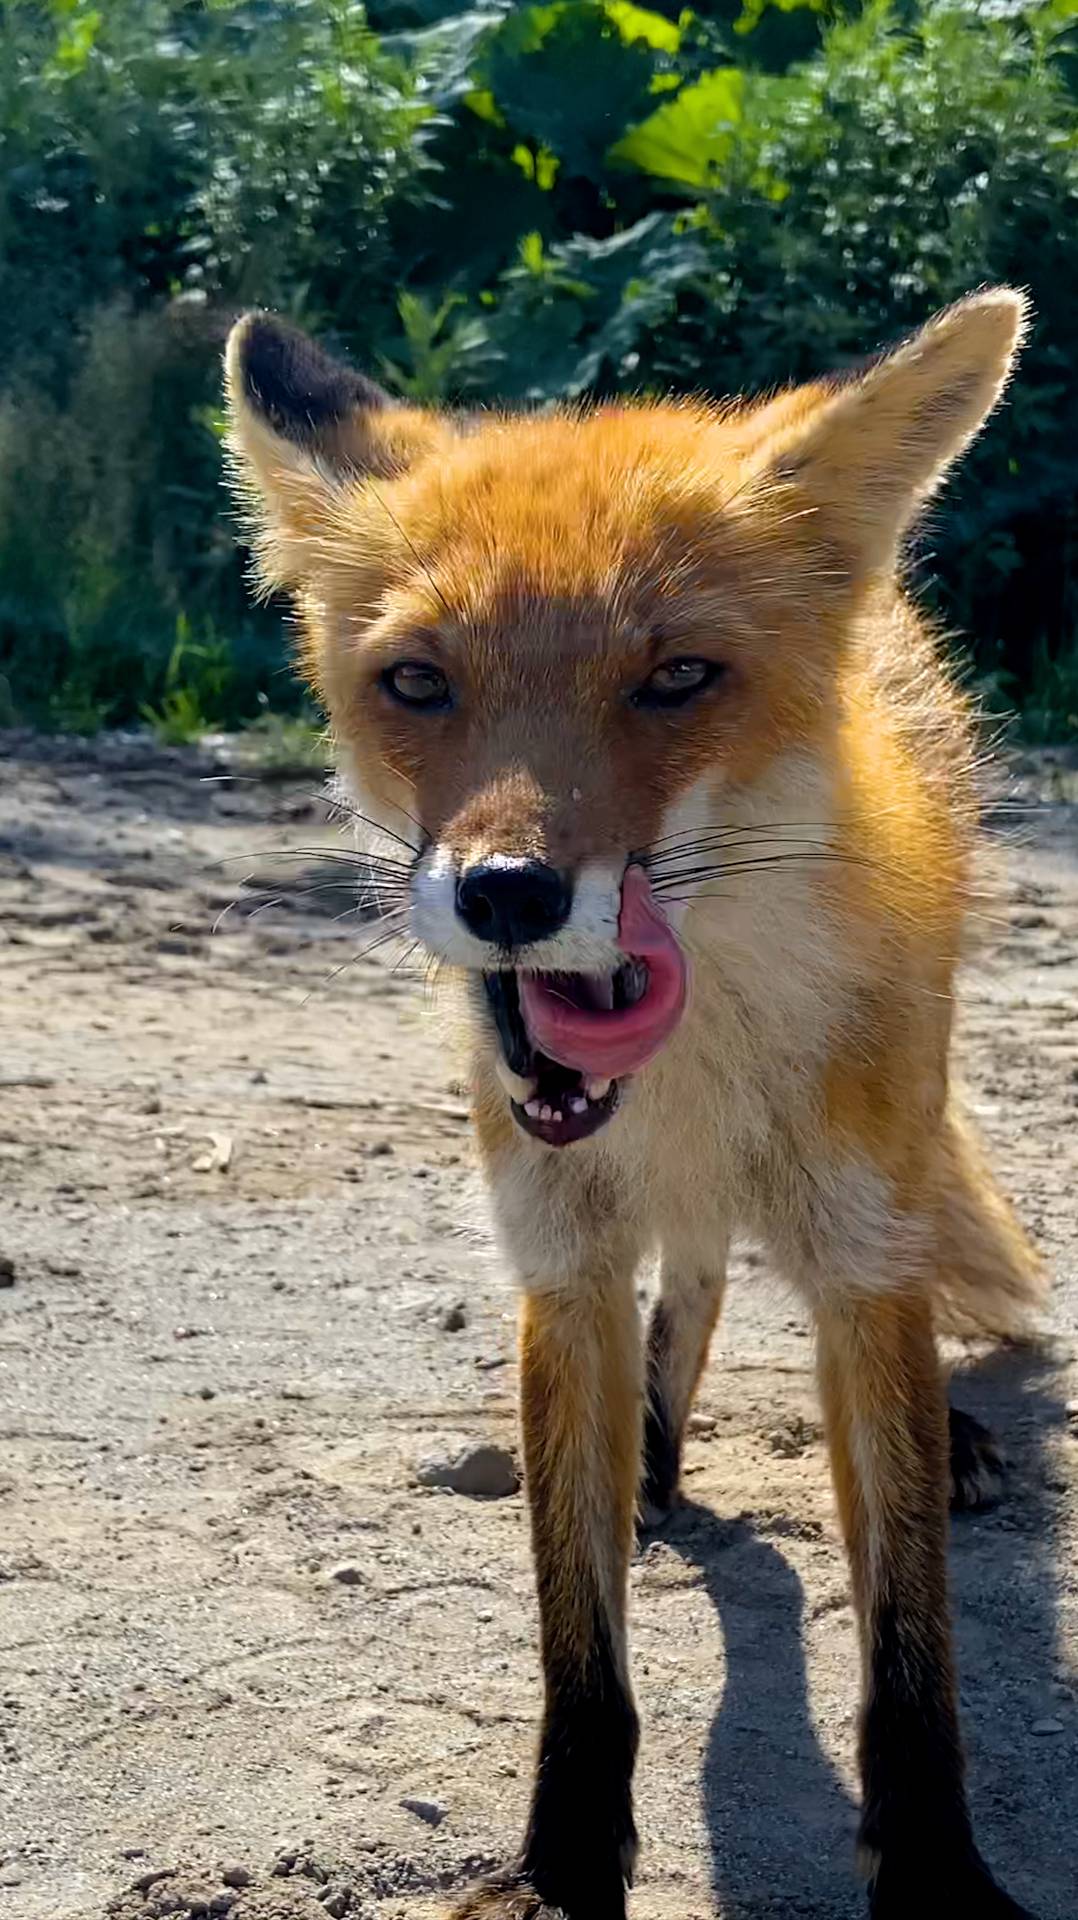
{"type": "Point", "coordinates": [583, 197]}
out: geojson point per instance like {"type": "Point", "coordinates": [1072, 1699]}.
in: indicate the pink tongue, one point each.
{"type": "Point", "coordinates": [610, 1044]}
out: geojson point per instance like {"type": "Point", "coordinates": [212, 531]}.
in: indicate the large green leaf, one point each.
{"type": "Point", "coordinates": [642, 23]}
{"type": "Point", "coordinates": [565, 78]}
{"type": "Point", "coordinates": [688, 139]}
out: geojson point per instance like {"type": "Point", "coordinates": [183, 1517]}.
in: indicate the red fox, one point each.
{"type": "Point", "coordinates": [690, 814]}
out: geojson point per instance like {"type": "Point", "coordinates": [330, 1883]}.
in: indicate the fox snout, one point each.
{"type": "Point", "coordinates": [514, 902]}
{"type": "Point", "coordinates": [492, 909]}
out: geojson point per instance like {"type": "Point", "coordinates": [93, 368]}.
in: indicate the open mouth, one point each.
{"type": "Point", "coordinates": [570, 1040]}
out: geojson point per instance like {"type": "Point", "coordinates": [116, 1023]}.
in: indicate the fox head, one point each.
{"type": "Point", "coordinates": [540, 636]}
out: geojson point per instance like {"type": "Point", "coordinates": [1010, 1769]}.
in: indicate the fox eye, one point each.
{"type": "Point", "coordinates": [675, 682]}
{"type": "Point", "coordinates": [415, 683]}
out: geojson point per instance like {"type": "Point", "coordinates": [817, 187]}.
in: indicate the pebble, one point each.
{"type": "Point", "coordinates": [347, 1573]}
{"type": "Point", "coordinates": [7, 1271]}
{"type": "Point", "coordinates": [483, 1472]}
{"type": "Point", "coordinates": [1048, 1725]}
{"type": "Point", "coordinates": [235, 1874]}
{"type": "Point", "coordinates": [703, 1424]}
{"type": "Point", "coordinates": [336, 1898]}
{"type": "Point", "coordinates": [790, 1440]}
{"type": "Point", "coordinates": [430, 1811]}
{"type": "Point", "coordinates": [222, 1903]}
{"type": "Point", "coordinates": [454, 1319]}
{"type": "Point", "coordinates": [147, 1880]}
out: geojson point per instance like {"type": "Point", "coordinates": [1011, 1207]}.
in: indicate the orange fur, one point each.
{"type": "Point", "coordinates": [545, 566]}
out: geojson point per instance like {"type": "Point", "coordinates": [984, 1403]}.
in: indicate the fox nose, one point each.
{"type": "Point", "coordinates": [512, 903]}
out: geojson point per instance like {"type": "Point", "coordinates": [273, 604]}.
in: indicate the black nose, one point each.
{"type": "Point", "coordinates": [511, 903]}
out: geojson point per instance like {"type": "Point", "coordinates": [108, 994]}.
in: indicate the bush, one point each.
{"type": "Point", "coordinates": [585, 197]}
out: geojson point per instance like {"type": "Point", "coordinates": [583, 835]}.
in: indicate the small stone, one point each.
{"type": "Point", "coordinates": [1071, 1410]}
{"type": "Point", "coordinates": [7, 1271]}
{"type": "Point", "coordinates": [313, 1868]}
{"type": "Point", "coordinates": [151, 1104]}
{"type": "Point", "coordinates": [283, 1865]}
{"type": "Point", "coordinates": [454, 1319]}
{"type": "Point", "coordinates": [429, 1811]}
{"type": "Point", "coordinates": [347, 1573]}
{"type": "Point", "coordinates": [1048, 1725]}
{"type": "Point", "coordinates": [377, 1149]}
{"type": "Point", "coordinates": [222, 1902]}
{"type": "Point", "coordinates": [10, 1877]}
{"type": "Point", "coordinates": [149, 1879]}
{"type": "Point", "coordinates": [790, 1440]}
{"type": "Point", "coordinates": [703, 1424]}
{"type": "Point", "coordinates": [235, 1874]}
{"type": "Point", "coordinates": [482, 1472]}
{"type": "Point", "coordinates": [336, 1898]}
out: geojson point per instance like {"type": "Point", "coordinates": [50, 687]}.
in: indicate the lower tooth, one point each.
{"type": "Point", "coordinates": [597, 1089]}
{"type": "Point", "coordinates": [546, 1113]}
{"type": "Point", "coordinates": [533, 1109]}
{"type": "Point", "coordinates": [578, 1103]}
{"type": "Point", "coordinates": [516, 1086]}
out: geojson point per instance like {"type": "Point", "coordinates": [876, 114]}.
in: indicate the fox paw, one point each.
{"type": "Point", "coordinates": [507, 1898]}
{"type": "Point", "coordinates": [965, 1892]}
{"type": "Point", "coordinates": [977, 1465]}
{"type": "Point", "coordinates": [511, 1896]}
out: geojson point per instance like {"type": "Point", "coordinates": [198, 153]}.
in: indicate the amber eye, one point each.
{"type": "Point", "coordinates": [415, 683]}
{"type": "Point", "coordinates": [675, 682]}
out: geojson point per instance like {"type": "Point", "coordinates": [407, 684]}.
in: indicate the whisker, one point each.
{"type": "Point", "coordinates": [735, 831]}
{"type": "Point", "coordinates": [761, 865]}
{"type": "Point", "coordinates": [337, 803]}
{"type": "Point", "coordinates": [334, 802]}
{"type": "Point", "coordinates": [363, 953]}
{"type": "Point", "coordinates": [344, 855]}
{"type": "Point", "coordinates": [697, 848]}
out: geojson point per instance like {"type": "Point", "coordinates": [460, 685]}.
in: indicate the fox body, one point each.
{"type": "Point", "coordinates": [690, 817]}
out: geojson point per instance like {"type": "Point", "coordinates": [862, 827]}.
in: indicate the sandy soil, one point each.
{"type": "Point", "coordinates": [239, 1204]}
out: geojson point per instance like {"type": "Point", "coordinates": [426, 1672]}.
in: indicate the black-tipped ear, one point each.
{"type": "Point", "coordinates": [297, 389]}
{"type": "Point", "coordinates": [304, 429]}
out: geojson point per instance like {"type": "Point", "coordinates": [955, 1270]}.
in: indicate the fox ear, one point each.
{"type": "Point", "coordinates": [865, 455]}
{"type": "Point", "coordinates": [302, 426]}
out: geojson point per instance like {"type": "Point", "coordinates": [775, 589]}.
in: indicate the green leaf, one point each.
{"type": "Point", "coordinates": [688, 139]}
{"type": "Point", "coordinates": [566, 80]}
{"type": "Point", "coordinates": [640, 23]}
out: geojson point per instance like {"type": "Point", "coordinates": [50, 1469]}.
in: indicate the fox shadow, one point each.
{"type": "Point", "coordinates": [780, 1819]}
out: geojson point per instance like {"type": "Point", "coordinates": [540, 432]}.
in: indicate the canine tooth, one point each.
{"type": "Point", "coordinates": [578, 1103]}
{"type": "Point", "coordinates": [597, 1089]}
{"type": "Point", "coordinates": [636, 981]}
{"type": "Point", "coordinates": [515, 1085]}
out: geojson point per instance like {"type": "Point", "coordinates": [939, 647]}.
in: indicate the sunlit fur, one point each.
{"type": "Point", "coordinates": [546, 564]}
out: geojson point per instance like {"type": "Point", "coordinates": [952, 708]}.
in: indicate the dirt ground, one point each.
{"type": "Point", "coordinates": [239, 1206]}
